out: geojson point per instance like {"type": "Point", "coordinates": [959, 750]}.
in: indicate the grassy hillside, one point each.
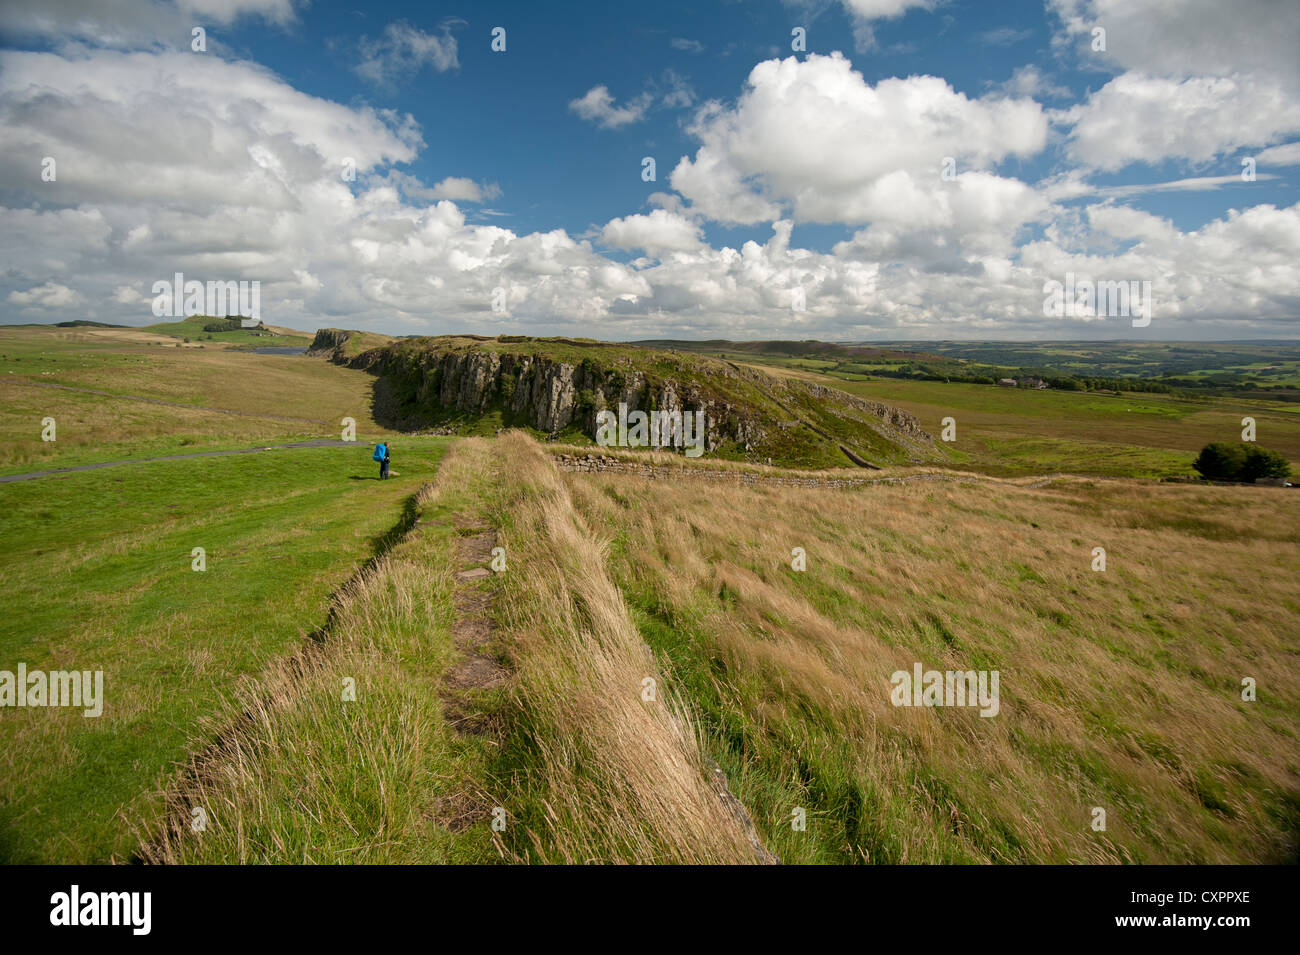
{"type": "Point", "coordinates": [278, 398]}
{"type": "Point", "coordinates": [298, 774]}
{"type": "Point", "coordinates": [98, 575]}
{"type": "Point", "coordinates": [191, 330]}
{"type": "Point", "coordinates": [788, 422]}
{"type": "Point", "coordinates": [526, 692]}
{"type": "Point", "coordinates": [581, 768]}
{"type": "Point", "coordinates": [1119, 689]}
{"type": "Point", "coordinates": [1020, 431]}
{"type": "Point", "coordinates": [1011, 431]}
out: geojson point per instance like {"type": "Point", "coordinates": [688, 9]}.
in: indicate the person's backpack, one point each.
{"type": "Point", "coordinates": [381, 452]}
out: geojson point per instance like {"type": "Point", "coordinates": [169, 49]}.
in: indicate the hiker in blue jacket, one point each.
{"type": "Point", "coordinates": [382, 456]}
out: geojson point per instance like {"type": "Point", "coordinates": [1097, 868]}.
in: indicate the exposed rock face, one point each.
{"type": "Point", "coordinates": [328, 340]}
{"type": "Point", "coordinates": [550, 395]}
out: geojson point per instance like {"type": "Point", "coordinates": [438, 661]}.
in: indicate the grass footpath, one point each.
{"type": "Point", "coordinates": [98, 575]}
{"type": "Point", "coordinates": [601, 761]}
{"type": "Point", "coordinates": [582, 767]}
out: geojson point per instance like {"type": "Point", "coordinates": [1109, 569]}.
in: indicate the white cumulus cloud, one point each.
{"type": "Point", "coordinates": [660, 231]}
{"type": "Point", "coordinates": [597, 106]}
{"type": "Point", "coordinates": [49, 295]}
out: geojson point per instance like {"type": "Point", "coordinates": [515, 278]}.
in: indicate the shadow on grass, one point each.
{"type": "Point", "coordinates": [379, 548]}
{"type": "Point", "coordinates": [298, 663]}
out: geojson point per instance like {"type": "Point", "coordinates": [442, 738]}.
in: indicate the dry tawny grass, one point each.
{"type": "Point", "coordinates": [619, 779]}
{"type": "Point", "coordinates": [1118, 689]}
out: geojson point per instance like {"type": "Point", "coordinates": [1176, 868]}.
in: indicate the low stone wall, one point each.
{"type": "Point", "coordinates": [596, 463]}
{"type": "Point", "coordinates": [604, 464]}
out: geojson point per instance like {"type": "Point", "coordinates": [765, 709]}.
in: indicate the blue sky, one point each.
{"type": "Point", "coordinates": [495, 109]}
{"type": "Point", "coordinates": [777, 170]}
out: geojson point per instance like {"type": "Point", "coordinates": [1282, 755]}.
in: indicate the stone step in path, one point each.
{"type": "Point", "coordinates": [472, 632]}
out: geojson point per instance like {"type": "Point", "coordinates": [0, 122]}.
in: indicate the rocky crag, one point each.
{"type": "Point", "coordinates": [530, 384]}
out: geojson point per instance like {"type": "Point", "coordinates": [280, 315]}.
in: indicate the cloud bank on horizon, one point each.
{"type": "Point", "coordinates": [898, 168]}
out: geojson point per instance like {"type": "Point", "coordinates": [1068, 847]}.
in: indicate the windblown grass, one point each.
{"type": "Point", "coordinates": [1119, 689]}
{"type": "Point", "coordinates": [587, 770]}
{"type": "Point", "coordinates": [598, 772]}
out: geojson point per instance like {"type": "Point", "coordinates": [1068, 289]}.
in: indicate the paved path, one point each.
{"type": "Point", "coordinates": [7, 478]}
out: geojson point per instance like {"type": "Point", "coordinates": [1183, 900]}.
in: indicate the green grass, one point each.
{"type": "Point", "coordinates": [97, 570]}
{"type": "Point", "coordinates": [1119, 689]}
{"type": "Point", "coordinates": [282, 399]}
{"type": "Point", "coordinates": [302, 776]}
{"type": "Point", "coordinates": [192, 328]}
{"type": "Point", "coordinates": [1020, 431]}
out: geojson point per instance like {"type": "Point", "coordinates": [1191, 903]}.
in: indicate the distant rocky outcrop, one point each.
{"type": "Point", "coordinates": [328, 341]}
{"type": "Point", "coordinates": [471, 376]}
{"type": "Point", "coordinates": [547, 394]}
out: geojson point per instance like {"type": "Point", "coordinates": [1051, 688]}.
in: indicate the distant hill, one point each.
{"type": "Point", "coordinates": [556, 386]}
{"type": "Point", "coordinates": [194, 329]}
{"type": "Point", "coordinates": [795, 349]}
{"type": "Point", "coordinates": [1240, 368]}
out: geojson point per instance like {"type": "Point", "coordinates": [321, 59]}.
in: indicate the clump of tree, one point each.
{"type": "Point", "coordinates": [224, 325]}
{"type": "Point", "coordinates": [1228, 461]}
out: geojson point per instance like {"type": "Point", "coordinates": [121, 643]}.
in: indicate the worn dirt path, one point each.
{"type": "Point", "coordinates": [472, 632]}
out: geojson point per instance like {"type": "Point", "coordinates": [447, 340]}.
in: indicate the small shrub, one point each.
{"type": "Point", "coordinates": [1263, 463]}
{"type": "Point", "coordinates": [1225, 461]}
